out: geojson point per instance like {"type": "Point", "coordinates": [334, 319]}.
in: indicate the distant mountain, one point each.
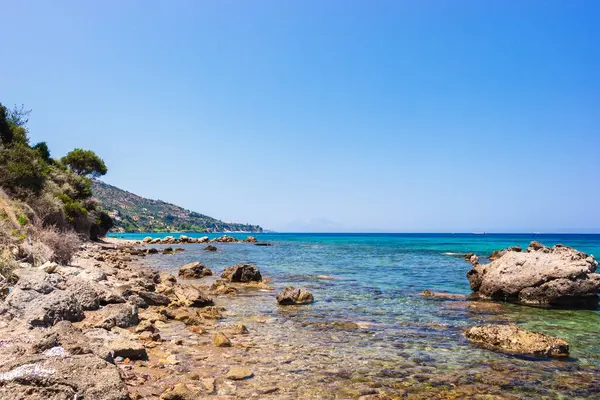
{"type": "Point", "coordinates": [133, 213]}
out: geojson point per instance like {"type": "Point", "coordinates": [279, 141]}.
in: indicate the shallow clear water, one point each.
{"type": "Point", "coordinates": [375, 281]}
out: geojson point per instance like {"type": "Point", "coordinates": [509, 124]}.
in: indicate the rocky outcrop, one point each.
{"type": "Point", "coordinates": [541, 276]}
{"type": "Point", "coordinates": [242, 273]}
{"type": "Point", "coordinates": [225, 239]}
{"type": "Point", "coordinates": [194, 270]}
{"type": "Point", "coordinates": [294, 296]}
{"type": "Point", "coordinates": [57, 374]}
{"type": "Point", "coordinates": [515, 340]}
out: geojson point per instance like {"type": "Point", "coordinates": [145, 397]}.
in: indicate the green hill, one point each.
{"type": "Point", "coordinates": [133, 213]}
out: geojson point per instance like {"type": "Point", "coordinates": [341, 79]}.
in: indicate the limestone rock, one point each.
{"type": "Point", "coordinates": [194, 270]}
{"type": "Point", "coordinates": [512, 339]}
{"type": "Point", "coordinates": [242, 273]}
{"type": "Point", "coordinates": [119, 315]}
{"type": "Point", "coordinates": [67, 376]}
{"type": "Point", "coordinates": [541, 276]}
{"type": "Point", "coordinates": [190, 296]}
{"type": "Point", "coordinates": [121, 344]}
{"type": "Point", "coordinates": [294, 296]}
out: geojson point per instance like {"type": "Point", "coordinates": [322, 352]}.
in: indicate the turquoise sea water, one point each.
{"type": "Point", "coordinates": [375, 280]}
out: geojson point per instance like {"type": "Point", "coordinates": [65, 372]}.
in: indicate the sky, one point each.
{"type": "Point", "coordinates": [342, 116]}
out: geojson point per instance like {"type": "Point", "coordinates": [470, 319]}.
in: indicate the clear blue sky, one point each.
{"type": "Point", "coordinates": [440, 116]}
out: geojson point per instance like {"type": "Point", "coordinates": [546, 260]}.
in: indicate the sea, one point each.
{"type": "Point", "coordinates": [370, 316]}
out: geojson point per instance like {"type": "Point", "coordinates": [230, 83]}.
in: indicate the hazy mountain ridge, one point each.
{"type": "Point", "coordinates": [131, 213]}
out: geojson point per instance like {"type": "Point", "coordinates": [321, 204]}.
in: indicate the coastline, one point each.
{"type": "Point", "coordinates": [169, 351]}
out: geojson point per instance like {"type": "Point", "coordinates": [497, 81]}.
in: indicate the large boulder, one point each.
{"type": "Point", "coordinates": [42, 299]}
{"type": "Point", "coordinates": [552, 277]}
{"type": "Point", "coordinates": [60, 375]}
{"type": "Point", "coordinates": [242, 273]}
{"type": "Point", "coordinates": [194, 270]}
{"type": "Point", "coordinates": [515, 340]}
{"type": "Point", "coordinates": [294, 296]}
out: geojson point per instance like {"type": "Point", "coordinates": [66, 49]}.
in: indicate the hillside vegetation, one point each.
{"type": "Point", "coordinates": [46, 204]}
{"type": "Point", "coordinates": [133, 213]}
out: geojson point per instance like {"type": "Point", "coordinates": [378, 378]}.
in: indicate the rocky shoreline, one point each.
{"type": "Point", "coordinates": [108, 327]}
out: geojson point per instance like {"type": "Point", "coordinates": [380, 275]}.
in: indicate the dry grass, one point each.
{"type": "Point", "coordinates": [63, 244]}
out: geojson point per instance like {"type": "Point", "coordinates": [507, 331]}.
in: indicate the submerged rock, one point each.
{"type": "Point", "coordinates": [194, 270]}
{"type": "Point", "coordinates": [541, 276]}
{"type": "Point", "coordinates": [181, 392]}
{"type": "Point", "coordinates": [242, 273]}
{"type": "Point", "coordinates": [291, 295]}
{"type": "Point", "coordinates": [512, 339]}
{"type": "Point", "coordinates": [210, 248]}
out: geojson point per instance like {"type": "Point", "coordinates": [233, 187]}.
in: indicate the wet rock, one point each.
{"type": "Point", "coordinates": [181, 392]}
{"type": "Point", "coordinates": [147, 239]}
{"type": "Point", "coordinates": [542, 276]}
{"type": "Point", "coordinates": [155, 241]}
{"type": "Point", "coordinates": [239, 373]}
{"type": "Point", "coordinates": [210, 248]}
{"type": "Point", "coordinates": [444, 296]}
{"type": "Point", "coordinates": [294, 296]}
{"type": "Point", "coordinates": [250, 239]}
{"type": "Point", "coordinates": [119, 315]}
{"type": "Point", "coordinates": [190, 296]}
{"type": "Point", "coordinates": [210, 312]}
{"type": "Point", "coordinates": [242, 273]}
{"type": "Point", "coordinates": [512, 339]}
{"type": "Point", "coordinates": [152, 250]}
{"type": "Point", "coordinates": [194, 270]}
{"type": "Point", "coordinates": [220, 287]}
{"type": "Point", "coordinates": [220, 340]}
{"type": "Point", "coordinates": [84, 376]}
{"type": "Point", "coordinates": [203, 239]}
{"type": "Point", "coordinates": [263, 244]}
{"type": "Point", "coordinates": [168, 250]}
{"type": "Point", "coordinates": [225, 239]}
{"type": "Point", "coordinates": [240, 329]}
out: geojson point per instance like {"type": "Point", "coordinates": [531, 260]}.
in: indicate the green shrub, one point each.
{"type": "Point", "coordinates": [23, 220]}
{"type": "Point", "coordinates": [21, 170]}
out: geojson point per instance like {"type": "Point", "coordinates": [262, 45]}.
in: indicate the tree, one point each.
{"type": "Point", "coordinates": [85, 163]}
{"type": "Point", "coordinates": [43, 151]}
{"type": "Point", "coordinates": [6, 133]}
